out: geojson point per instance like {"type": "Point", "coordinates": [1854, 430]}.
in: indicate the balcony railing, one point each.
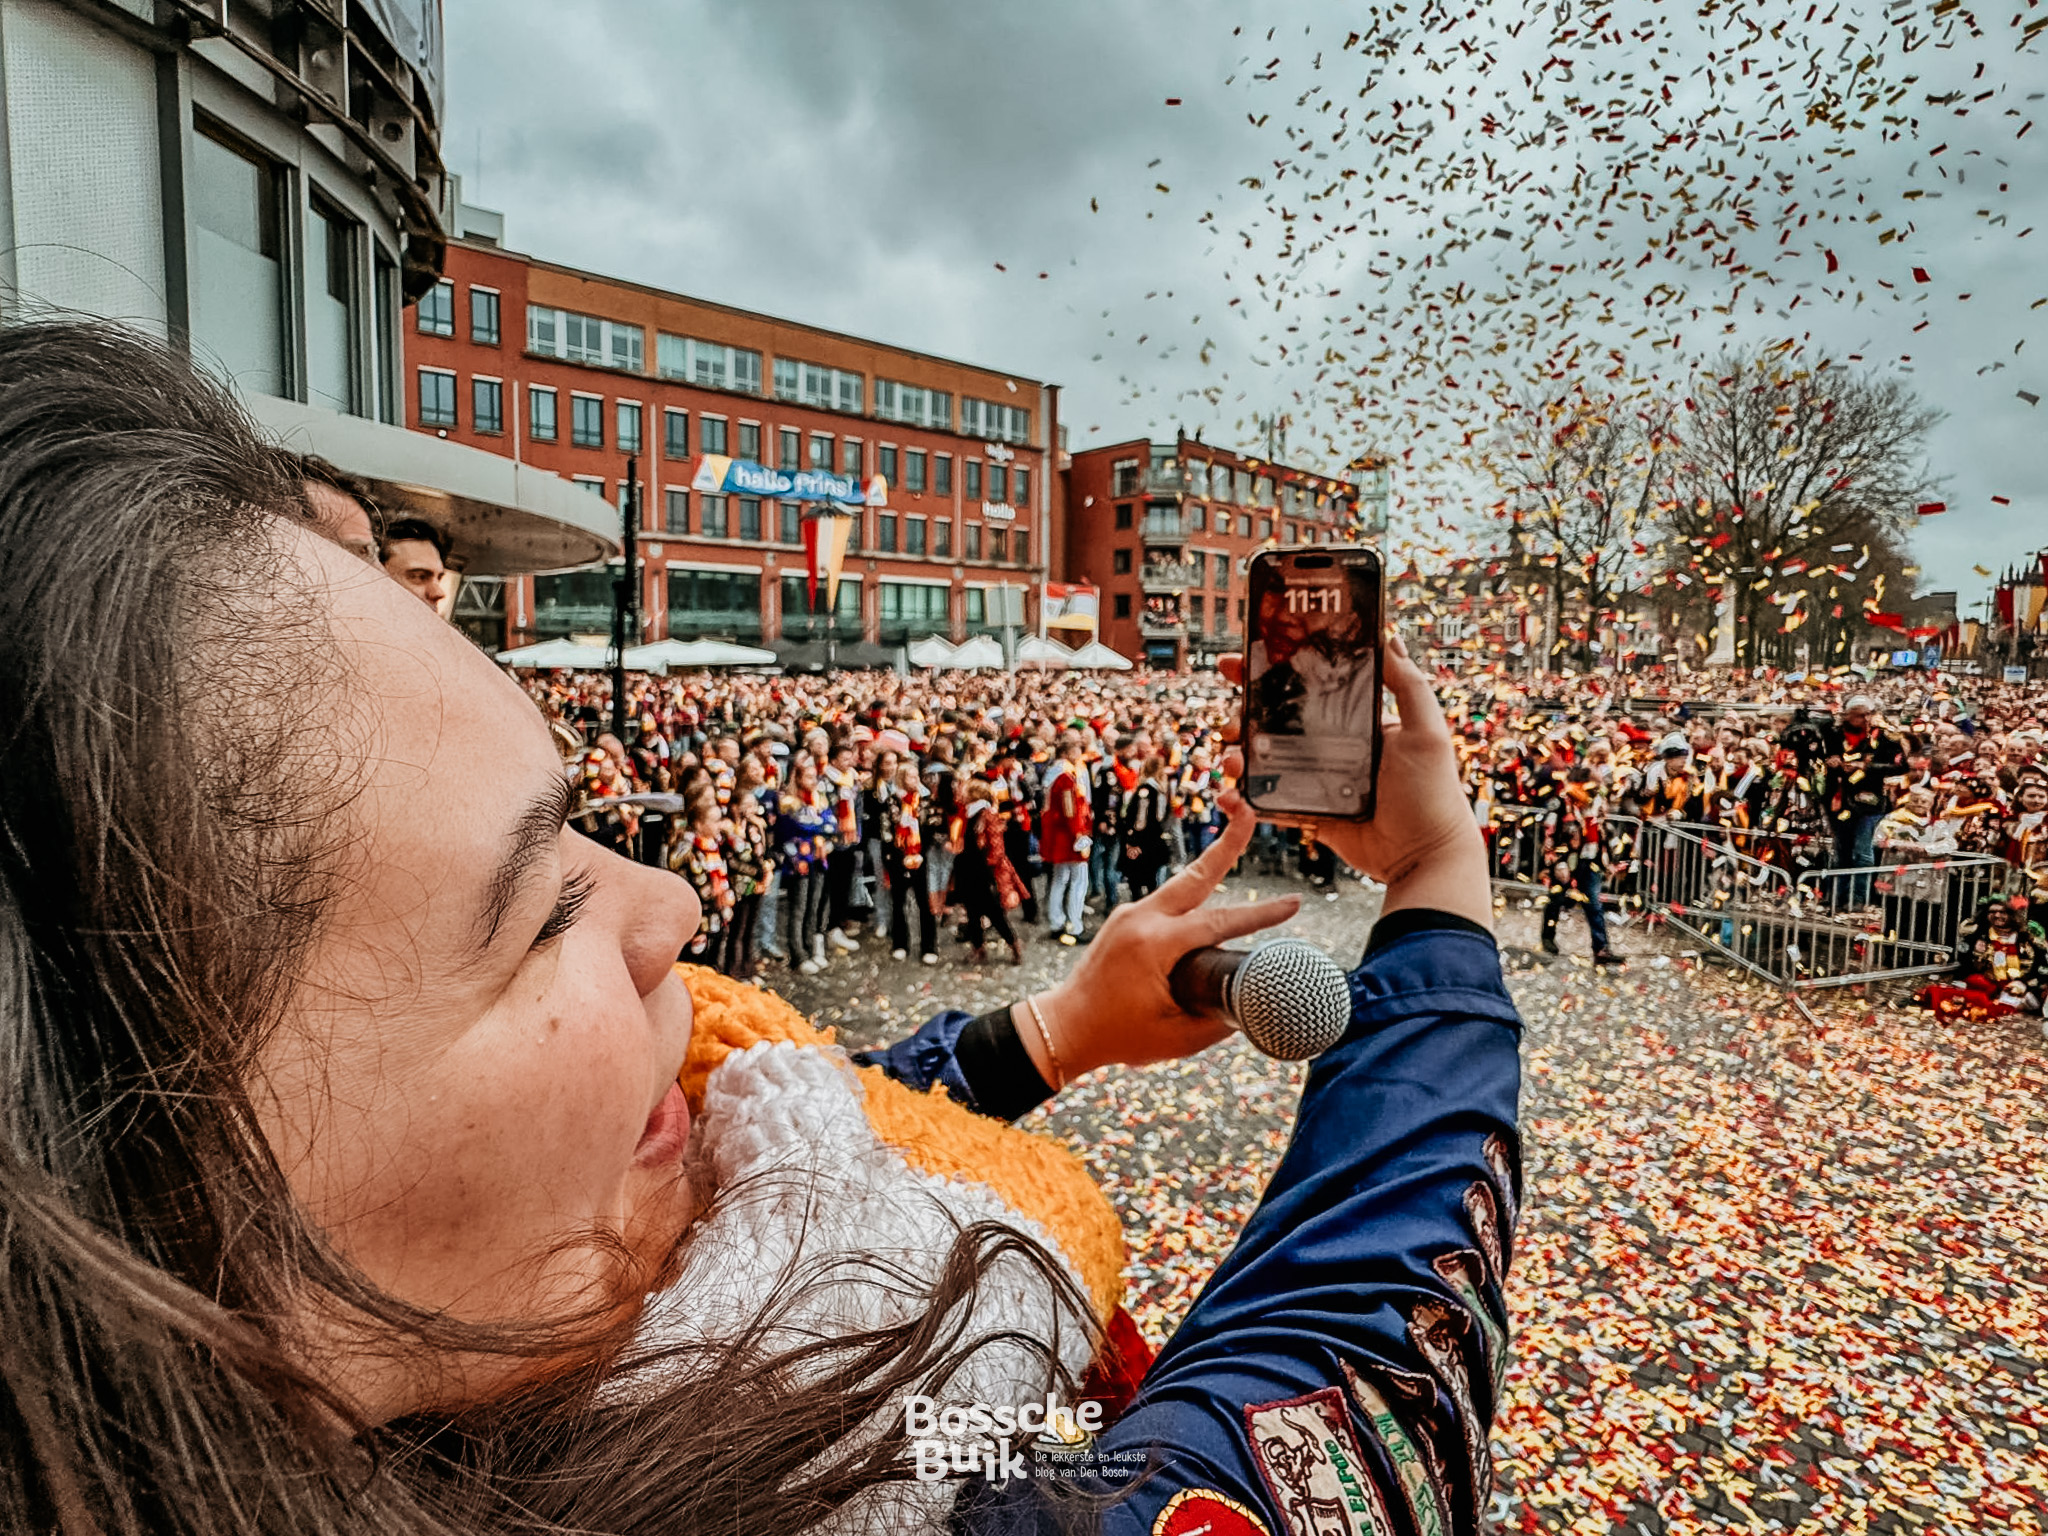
{"type": "Point", "coordinates": [1162, 528]}
{"type": "Point", "coordinates": [1169, 576]}
{"type": "Point", "coordinates": [1161, 626]}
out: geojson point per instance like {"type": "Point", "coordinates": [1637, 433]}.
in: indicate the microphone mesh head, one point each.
{"type": "Point", "coordinates": [1291, 1000]}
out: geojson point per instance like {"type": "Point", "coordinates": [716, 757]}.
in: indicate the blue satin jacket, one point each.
{"type": "Point", "coordinates": [1339, 1374]}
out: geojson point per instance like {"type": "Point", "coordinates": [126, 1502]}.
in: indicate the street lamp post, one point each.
{"type": "Point", "coordinates": [626, 595]}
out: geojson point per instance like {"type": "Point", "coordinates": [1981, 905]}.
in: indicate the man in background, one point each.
{"type": "Point", "coordinates": [416, 557]}
{"type": "Point", "coordinates": [341, 505]}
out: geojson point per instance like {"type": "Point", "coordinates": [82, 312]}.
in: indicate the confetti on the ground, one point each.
{"type": "Point", "coordinates": [1772, 1276]}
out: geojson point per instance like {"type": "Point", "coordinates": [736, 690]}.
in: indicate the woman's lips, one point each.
{"type": "Point", "coordinates": [668, 1128]}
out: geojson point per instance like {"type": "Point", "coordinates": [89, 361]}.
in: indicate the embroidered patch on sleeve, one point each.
{"type": "Point", "coordinates": [1313, 1468]}
{"type": "Point", "coordinates": [1461, 1272]}
{"type": "Point", "coordinates": [1501, 1159]}
{"type": "Point", "coordinates": [1439, 1331]}
{"type": "Point", "coordinates": [1485, 1218]}
{"type": "Point", "coordinates": [1429, 1506]}
{"type": "Point", "coordinates": [1205, 1512]}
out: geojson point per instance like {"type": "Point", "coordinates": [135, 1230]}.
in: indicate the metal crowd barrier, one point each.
{"type": "Point", "coordinates": [1768, 903]}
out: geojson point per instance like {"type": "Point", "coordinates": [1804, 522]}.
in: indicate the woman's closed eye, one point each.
{"type": "Point", "coordinates": [576, 890]}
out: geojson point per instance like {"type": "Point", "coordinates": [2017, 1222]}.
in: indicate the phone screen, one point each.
{"type": "Point", "coordinates": [1312, 684]}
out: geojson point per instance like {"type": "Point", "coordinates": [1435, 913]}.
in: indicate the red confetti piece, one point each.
{"type": "Point", "coordinates": [1929, 508]}
{"type": "Point", "coordinates": [1920, 275]}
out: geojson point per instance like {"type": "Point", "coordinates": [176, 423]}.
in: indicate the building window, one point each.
{"type": "Point", "coordinates": [483, 316]}
{"type": "Point", "coordinates": [849, 457]}
{"type": "Point", "coordinates": [885, 463]}
{"type": "Point", "coordinates": [998, 482]}
{"type": "Point", "coordinates": [1244, 525]}
{"type": "Point", "coordinates": [541, 425]}
{"type": "Point", "coordinates": [1219, 482]}
{"type": "Point", "coordinates": [994, 422]}
{"type": "Point", "coordinates": [1196, 611]}
{"type": "Point", "coordinates": [487, 406]}
{"type": "Point", "coordinates": [629, 427]}
{"type": "Point", "coordinates": [726, 603]}
{"type": "Point", "coordinates": [586, 420]}
{"type": "Point", "coordinates": [1021, 546]}
{"type": "Point", "coordinates": [1219, 567]}
{"type": "Point", "coordinates": [750, 442]}
{"type": "Point", "coordinates": [1222, 617]}
{"type": "Point", "coordinates": [591, 483]}
{"type": "Point", "coordinates": [331, 308]}
{"type": "Point", "coordinates": [915, 464]}
{"type": "Point", "coordinates": [675, 433]}
{"type": "Point", "coordinates": [1023, 486]}
{"type": "Point", "coordinates": [800, 622]}
{"type": "Point", "coordinates": [912, 608]}
{"type": "Point", "coordinates": [675, 510]}
{"type": "Point", "coordinates": [942, 538]}
{"type": "Point", "coordinates": [1123, 514]}
{"type": "Point", "coordinates": [1120, 562]}
{"type": "Point", "coordinates": [750, 519]}
{"type": "Point", "coordinates": [712, 509]}
{"type": "Point", "coordinates": [821, 452]}
{"type": "Point", "coordinates": [913, 535]}
{"type": "Point", "coordinates": [1241, 483]}
{"type": "Point", "coordinates": [790, 444]}
{"type": "Point", "coordinates": [913, 406]}
{"type": "Point", "coordinates": [585, 339]}
{"type": "Point", "coordinates": [437, 310]}
{"type": "Point", "coordinates": [1198, 518]}
{"type": "Point", "coordinates": [437, 398]}
{"type": "Point", "coordinates": [885, 532]}
{"type": "Point", "coordinates": [1123, 478]}
{"type": "Point", "coordinates": [855, 531]}
{"type": "Point", "coordinates": [974, 479]}
{"type": "Point", "coordinates": [1265, 528]}
{"type": "Point", "coordinates": [977, 608]}
{"type": "Point", "coordinates": [711, 434]}
{"type": "Point", "coordinates": [238, 287]}
{"type": "Point", "coordinates": [831, 389]}
{"type": "Point", "coordinates": [707, 362]}
{"type": "Point", "coordinates": [1122, 609]}
{"type": "Point", "coordinates": [1262, 491]}
{"type": "Point", "coordinates": [942, 474]}
{"type": "Point", "coordinates": [973, 548]}
{"type": "Point", "coordinates": [998, 546]}
{"type": "Point", "coordinates": [792, 516]}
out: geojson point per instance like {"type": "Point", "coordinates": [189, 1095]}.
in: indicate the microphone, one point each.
{"type": "Point", "coordinates": [1291, 1000]}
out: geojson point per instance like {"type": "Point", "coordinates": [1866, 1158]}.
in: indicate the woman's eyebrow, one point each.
{"type": "Point", "coordinates": [532, 834]}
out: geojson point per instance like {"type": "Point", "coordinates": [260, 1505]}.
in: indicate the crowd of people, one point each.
{"type": "Point", "coordinates": [813, 815]}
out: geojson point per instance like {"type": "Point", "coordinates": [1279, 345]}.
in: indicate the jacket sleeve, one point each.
{"type": "Point", "coordinates": [979, 1062]}
{"type": "Point", "coordinates": [1342, 1368]}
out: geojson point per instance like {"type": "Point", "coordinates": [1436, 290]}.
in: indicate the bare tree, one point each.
{"type": "Point", "coordinates": [1582, 478]}
{"type": "Point", "coordinates": [1796, 485]}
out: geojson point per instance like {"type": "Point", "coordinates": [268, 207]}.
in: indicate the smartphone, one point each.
{"type": "Point", "coordinates": [1311, 729]}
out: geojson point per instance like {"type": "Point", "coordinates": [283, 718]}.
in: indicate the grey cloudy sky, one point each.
{"type": "Point", "coordinates": [867, 164]}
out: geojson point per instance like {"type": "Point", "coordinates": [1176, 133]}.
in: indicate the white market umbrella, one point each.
{"type": "Point", "coordinates": [1035, 651]}
{"type": "Point", "coordinates": [666, 655]}
{"type": "Point", "coordinates": [560, 653]}
{"type": "Point", "coordinates": [981, 651]}
{"type": "Point", "coordinates": [931, 651]}
{"type": "Point", "coordinates": [1095, 656]}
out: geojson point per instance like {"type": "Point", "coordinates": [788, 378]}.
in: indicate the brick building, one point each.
{"type": "Point", "coordinates": [1165, 530]}
{"type": "Point", "coordinates": [572, 372]}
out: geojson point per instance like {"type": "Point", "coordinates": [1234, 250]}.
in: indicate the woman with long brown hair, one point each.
{"type": "Point", "coordinates": [338, 1163]}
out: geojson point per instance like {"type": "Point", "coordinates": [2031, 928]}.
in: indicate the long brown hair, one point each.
{"type": "Point", "coordinates": [169, 770]}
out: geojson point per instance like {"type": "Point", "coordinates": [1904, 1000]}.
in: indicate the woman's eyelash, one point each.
{"type": "Point", "coordinates": [576, 890]}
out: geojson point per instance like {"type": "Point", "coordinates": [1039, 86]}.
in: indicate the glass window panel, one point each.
{"type": "Point", "coordinates": [676, 510]}
{"type": "Point", "coordinates": [885, 463]}
{"type": "Point", "coordinates": [850, 456]}
{"type": "Point", "coordinates": [483, 317]}
{"type": "Point", "coordinates": [821, 452]}
{"type": "Point", "coordinates": [437, 398]}
{"type": "Point", "coordinates": [238, 291]}
{"type": "Point", "coordinates": [711, 434]}
{"type": "Point", "coordinates": [750, 441]}
{"type": "Point", "coordinates": [586, 421]}
{"type": "Point", "coordinates": [629, 427]}
{"type": "Point", "coordinates": [750, 519]}
{"type": "Point", "coordinates": [790, 444]}
{"type": "Point", "coordinates": [486, 405]}
{"type": "Point", "coordinates": [914, 469]}
{"type": "Point", "coordinates": [724, 604]}
{"type": "Point", "coordinates": [675, 436]}
{"type": "Point", "coordinates": [942, 538]}
{"type": "Point", "coordinates": [792, 517]}
{"type": "Point", "coordinates": [942, 474]}
{"type": "Point", "coordinates": [712, 509]}
{"type": "Point", "coordinates": [998, 482]}
{"type": "Point", "coordinates": [331, 313]}
{"type": "Point", "coordinates": [541, 424]}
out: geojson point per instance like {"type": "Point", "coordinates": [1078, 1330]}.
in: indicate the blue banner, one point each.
{"type": "Point", "coordinates": [720, 476]}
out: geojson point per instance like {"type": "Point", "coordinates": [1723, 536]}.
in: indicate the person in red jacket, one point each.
{"type": "Point", "coordinates": [1063, 840]}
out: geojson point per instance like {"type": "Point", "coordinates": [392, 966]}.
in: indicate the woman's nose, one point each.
{"type": "Point", "coordinates": [660, 915]}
